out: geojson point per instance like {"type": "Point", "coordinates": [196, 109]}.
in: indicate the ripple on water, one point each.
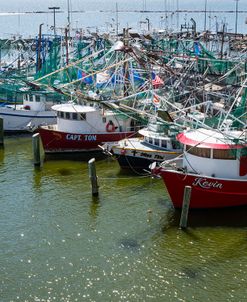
{"type": "Point", "coordinates": [58, 244]}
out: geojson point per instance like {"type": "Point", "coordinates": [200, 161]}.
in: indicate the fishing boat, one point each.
{"type": "Point", "coordinates": [214, 165]}
{"type": "Point", "coordinates": [28, 116]}
{"type": "Point", "coordinates": [83, 127]}
{"type": "Point", "coordinates": [155, 143]}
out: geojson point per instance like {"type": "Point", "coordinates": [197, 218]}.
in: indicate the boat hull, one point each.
{"type": "Point", "coordinates": [130, 162]}
{"type": "Point", "coordinates": [207, 192]}
{"type": "Point", "coordinates": [141, 159]}
{"type": "Point", "coordinates": [64, 142]}
{"type": "Point", "coordinates": [25, 120]}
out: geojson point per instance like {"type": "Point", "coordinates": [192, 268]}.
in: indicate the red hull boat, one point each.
{"type": "Point", "coordinates": [59, 142]}
{"type": "Point", "coordinates": [207, 192]}
{"type": "Point", "coordinates": [82, 128]}
{"type": "Point", "coordinates": [214, 166]}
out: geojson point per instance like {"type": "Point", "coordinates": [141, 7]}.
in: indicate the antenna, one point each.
{"type": "Point", "coordinates": [54, 8]}
{"type": "Point", "coordinates": [177, 14]}
{"type": "Point", "coordinates": [205, 15]}
{"type": "Point", "coordinates": [236, 18]}
{"type": "Point", "coordinates": [68, 5]}
{"type": "Point", "coordinates": [116, 19]}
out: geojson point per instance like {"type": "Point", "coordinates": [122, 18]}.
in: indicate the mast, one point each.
{"type": "Point", "coordinates": [222, 42]}
{"type": "Point", "coordinates": [236, 18]}
{"type": "Point", "coordinates": [68, 6]}
{"type": "Point", "coordinates": [39, 63]}
{"type": "Point", "coordinates": [116, 19]}
{"type": "Point", "coordinates": [66, 45]}
{"type": "Point", "coordinates": [126, 63]}
{"type": "Point", "coordinates": [177, 15]}
{"type": "Point", "coordinates": [205, 15]}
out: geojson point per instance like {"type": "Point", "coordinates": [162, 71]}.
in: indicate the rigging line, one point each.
{"type": "Point", "coordinates": [152, 61]}
{"type": "Point", "coordinates": [134, 170]}
{"type": "Point", "coordinates": [125, 178]}
{"type": "Point", "coordinates": [231, 137]}
{"type": "Point", "coordinates": [239, 62]}
{"type": "Point", "coordinates": [67, 66]}
{"type": "Point", "coordinates": [93, 73]}
{"type": "Point", "coordinates": [113, 116]}
{"type": "Point", "coordinates": [220, 139]}
{"type": "Point", "coordinates": [180, 110]}
{"type": "Point", "coordinates": [190, 107]}
{"type": "Point", "coordinates": [84, 119]}
{"type": "Point", "coordinates": [134, 95]}
{"type": "Point", "coordinates": [89, 57]}
{"type": "Point", "coordinates": [191, 148]}
{"type": "Point", "coordinates": [234, 102]}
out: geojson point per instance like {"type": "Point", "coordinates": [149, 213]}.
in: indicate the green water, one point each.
{"type": "Point", "coordinates": [59, 244]}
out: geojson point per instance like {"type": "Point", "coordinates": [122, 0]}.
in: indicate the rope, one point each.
{"type": "Point", "coordinates": [125, 178]}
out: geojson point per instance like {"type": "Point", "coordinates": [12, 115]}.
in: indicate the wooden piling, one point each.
{"type": "Point", "coordinates": [1, 132]}
{"type": "Point", "coordinates": [36, 149]}
{"type": "Point", "coordinates": [93, 177]}
{"type": "Point", "coordinates": [185, 207]}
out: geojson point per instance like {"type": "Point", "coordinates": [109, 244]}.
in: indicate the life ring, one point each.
{"type": "Point", "coordinates": [110, 127]}
{"type": "Point", "coordinates": [156, 101]}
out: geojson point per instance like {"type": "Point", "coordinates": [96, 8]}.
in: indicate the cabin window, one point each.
{"type": "Point", "coordinates": [61, 114]}
{"type": "Point", "coordinates": [74, 116]}
{"type": "Point", "coordinates": [164, 143]}
{"type": "Point", "coordinates": [224, 154]}
{"type": "Point", "coordinates": [37, 98]}
{"type": "Point", "coordinates": [104, 120]}
{"type": "Point", "coordinates": [202, 152]}
{"type": "Point", "coordinates": [175, 144]}
{"type": "Point", "coordinates": [82, 116]}
{"type": "Point", "coordinates": [156, 142]}
{"type": "Point", "coordinates": [150, 140]}
{"type": "Point", "coordinates": [67, 115]}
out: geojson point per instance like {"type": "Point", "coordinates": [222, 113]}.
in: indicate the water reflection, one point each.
{"type": "Point", "coordinates": [37, 177]}
{"type": "Point", "coordinates": [94, 207]}
{"type": "Point", "coordinates": [65, 171]}
{"type": "Point", "coordinates": [129, 244]}
{"type": "Point", "coordinates": [78, 156]}
{"type": "Point", "coordinates": [1, 154]}
{"type": "Point", "coordinates": [227, 217]}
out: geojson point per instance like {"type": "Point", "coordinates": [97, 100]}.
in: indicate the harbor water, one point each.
{"type": "Point", "coordinates": [58, 243]}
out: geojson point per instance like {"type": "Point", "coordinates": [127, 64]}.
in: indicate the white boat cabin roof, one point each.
{"type": "Point", "coordinates": [151, 134]}
{"type": "Point", "coordinates": [73, 108]}
{"type": "Point", "coordinates": [214, 139]}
